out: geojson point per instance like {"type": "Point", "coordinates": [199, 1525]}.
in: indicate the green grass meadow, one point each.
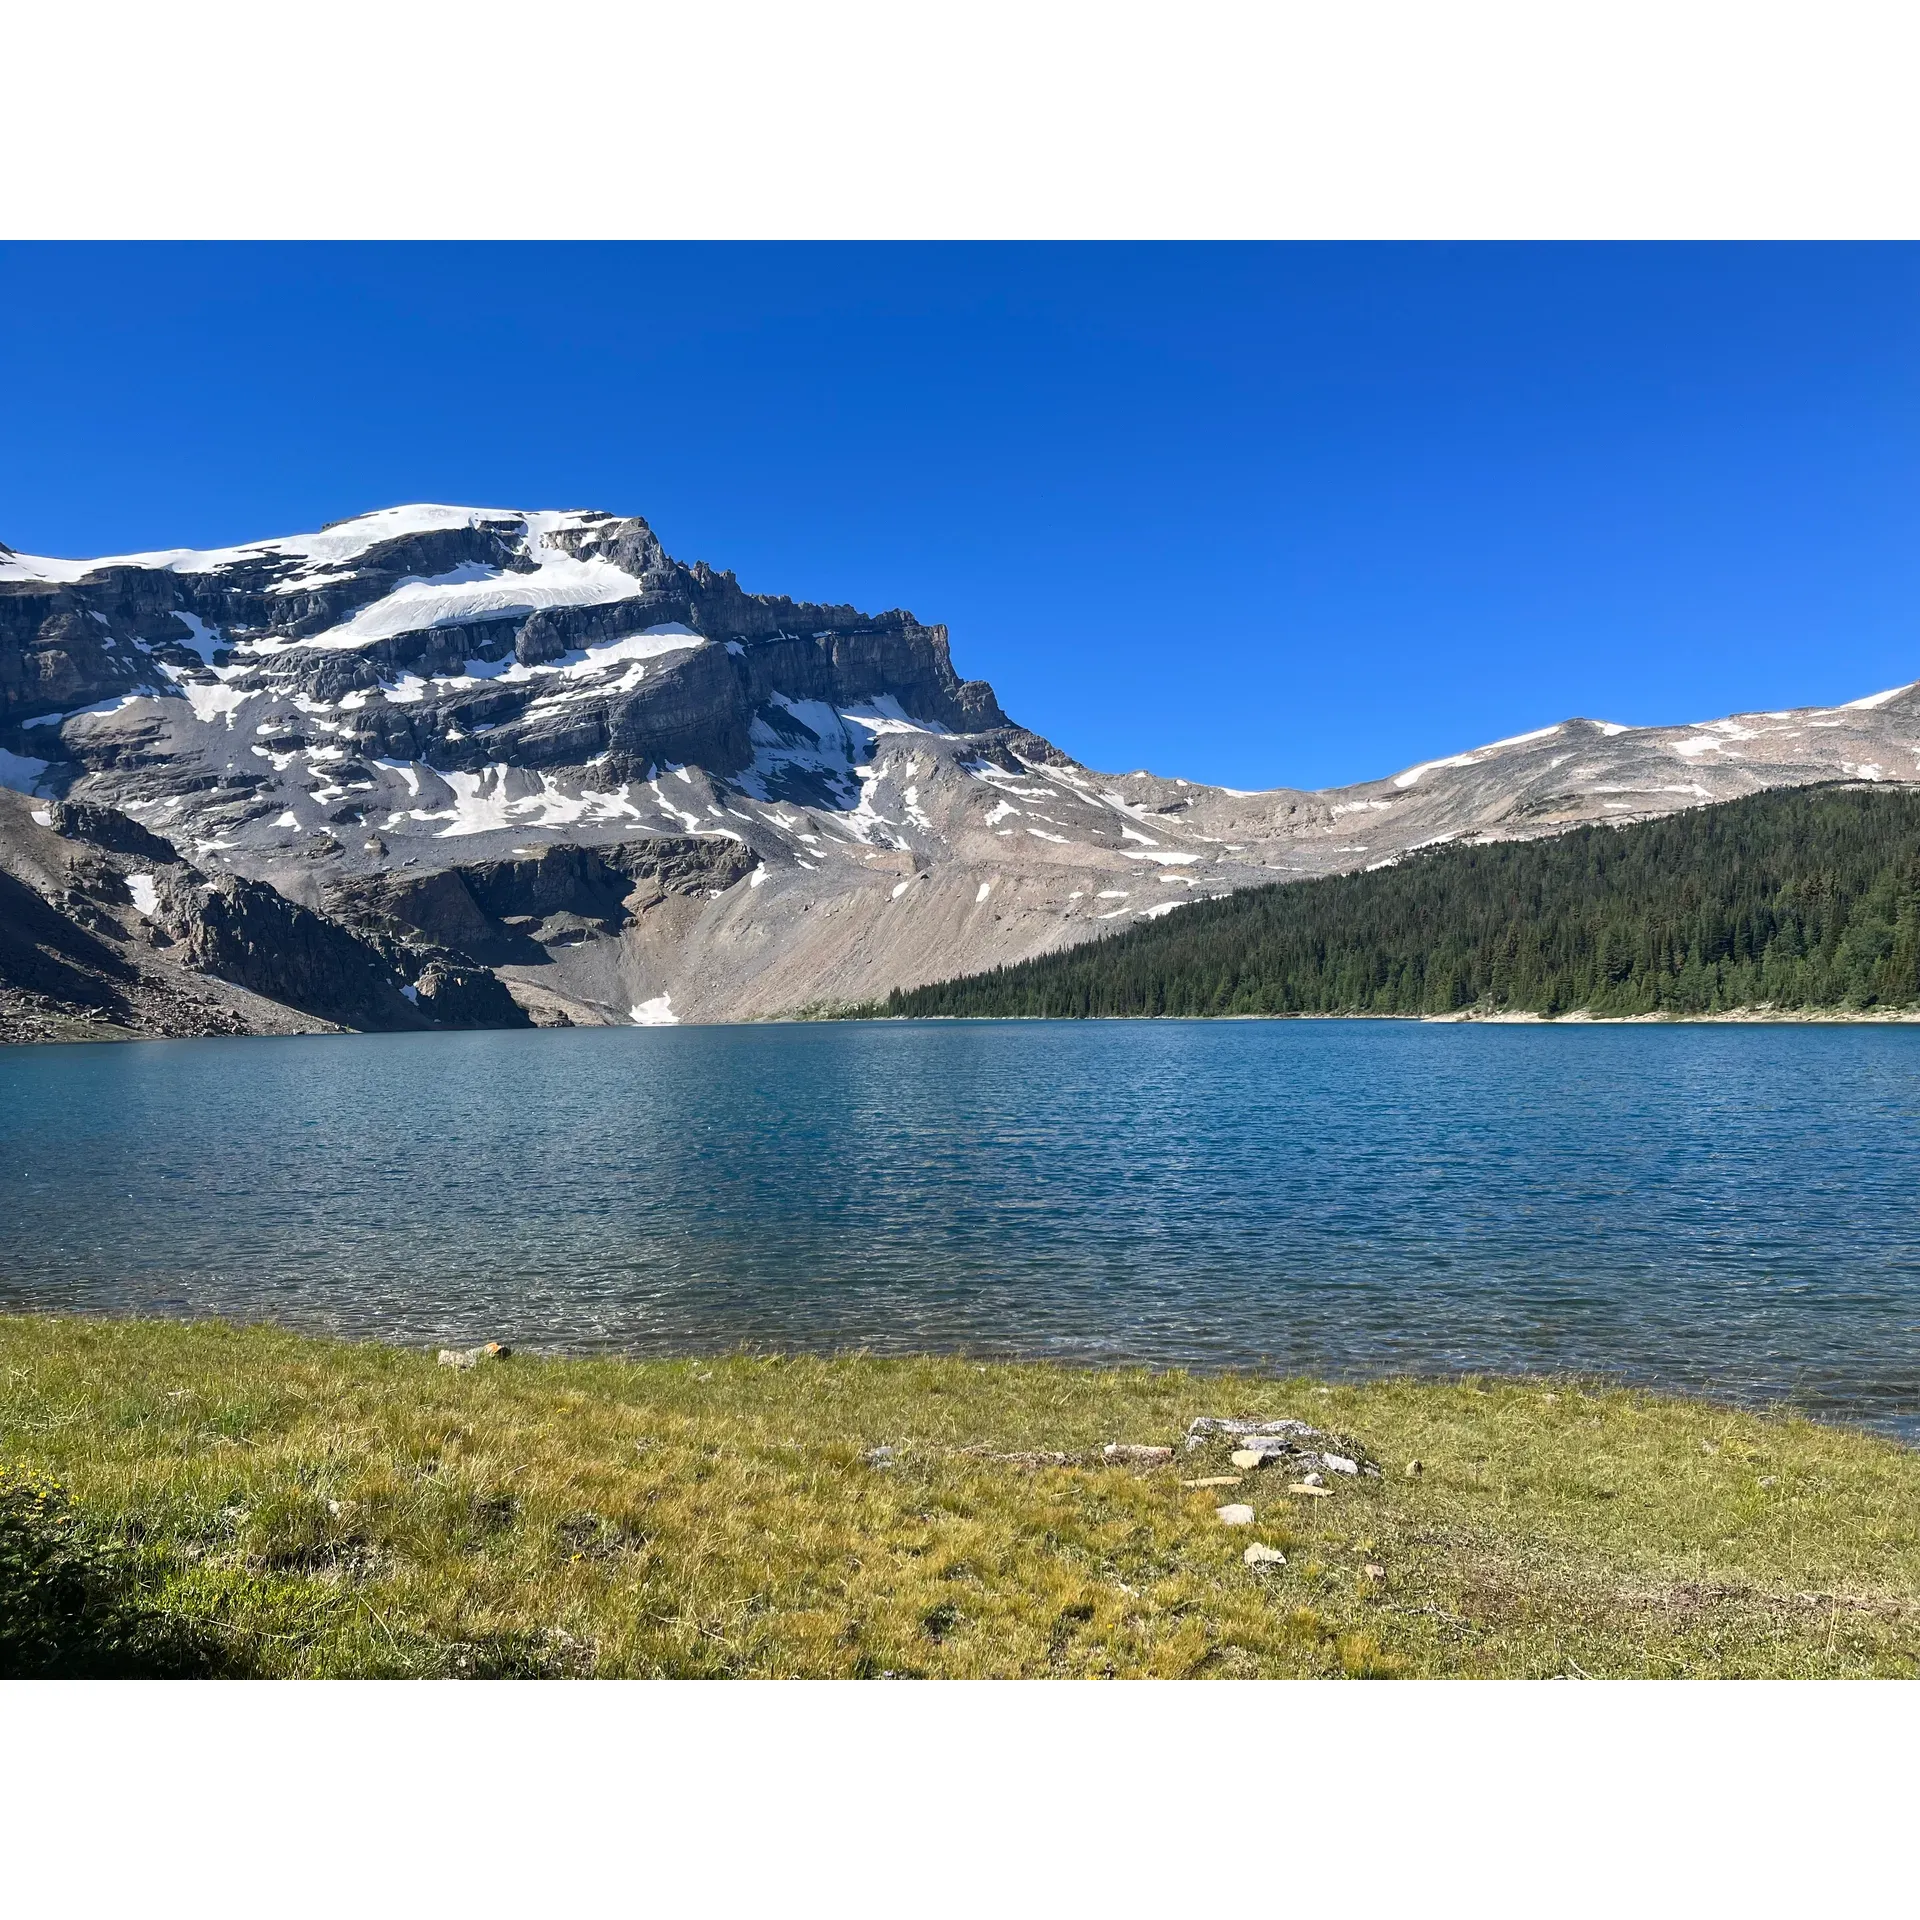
{"type": "Point", "coordinates": [207, 1499]}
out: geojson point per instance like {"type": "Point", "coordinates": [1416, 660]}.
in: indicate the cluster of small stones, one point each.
{"type": "Point", "coordinates": [1308, 1452]}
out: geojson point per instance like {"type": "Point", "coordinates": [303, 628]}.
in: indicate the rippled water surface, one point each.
{"type": "Point", "coordinates": [1730, 1208]}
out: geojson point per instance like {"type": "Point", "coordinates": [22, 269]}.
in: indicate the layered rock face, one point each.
{"type": "Point", "coordinates": [541, 770]}
{"type": "Point", "coordinates": [106, 932]}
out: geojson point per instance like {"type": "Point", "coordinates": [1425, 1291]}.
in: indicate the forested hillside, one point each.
{"type": "Point", "coordinates": [1796, 899]}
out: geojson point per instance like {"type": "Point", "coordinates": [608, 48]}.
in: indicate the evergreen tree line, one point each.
{"type": "Point", "coordinates": [1795, 899]}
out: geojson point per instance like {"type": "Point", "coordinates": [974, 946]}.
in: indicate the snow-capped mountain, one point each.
{"type": "Point", "coordinates": [535, 744]}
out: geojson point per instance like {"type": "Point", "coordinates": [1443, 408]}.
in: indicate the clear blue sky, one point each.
{"type": "Point", "coordinates": [1252, 514]}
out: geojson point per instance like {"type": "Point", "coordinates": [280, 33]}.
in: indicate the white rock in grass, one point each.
{"type": "Point", "coordinates": [1235, 1516]}
{"type": "Point", "coordinates": [1339, 1463]}
{"type": "Point", "coordinates": [1260, 1556]}
{"type": "Point", "coordinates": [472, 1356]}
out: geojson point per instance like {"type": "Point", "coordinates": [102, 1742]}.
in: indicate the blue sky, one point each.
{"type": "Point", "coordinates": [1254, 514]}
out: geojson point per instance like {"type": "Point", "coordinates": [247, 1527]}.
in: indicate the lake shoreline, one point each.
{"type": "Point", "coordinates": [1579, 1017]}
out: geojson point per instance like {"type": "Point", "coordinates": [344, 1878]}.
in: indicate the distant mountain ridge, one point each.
{"type": "Point", "coordinates": [1794, 901]}
{"type": "Point", "coordinates": [466, 726]}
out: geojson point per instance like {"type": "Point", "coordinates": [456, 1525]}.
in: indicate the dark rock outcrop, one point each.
{"type": "Point", "coordinates": [245, 932]}
{"type": "Point", "coordinates": [48, 954]}
{"type": "Point", "coordinates": [677, 864]}
{"type": "Point", "coordinates": [108, 827]}
{"type": "Point", "coordinates": [452, 995]}
{"type": "Point", "coordinates": [54, 657]}
{"type": "Point", "coordinates": [509, 912]}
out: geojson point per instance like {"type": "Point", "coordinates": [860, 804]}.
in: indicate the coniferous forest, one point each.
{"type": "Point", "coordinates": [1797, 899]}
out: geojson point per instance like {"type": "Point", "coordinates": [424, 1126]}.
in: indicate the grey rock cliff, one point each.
{"type": "Point", "coordinates": [104, 928]}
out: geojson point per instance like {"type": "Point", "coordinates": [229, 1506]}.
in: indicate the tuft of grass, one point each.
{"type": "Point", "coordinates": [248, 1500]}
{"type": "Point", "coordinates": [70, 1606]}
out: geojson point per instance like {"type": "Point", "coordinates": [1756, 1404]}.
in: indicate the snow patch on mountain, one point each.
{"type": "Point", "coordinates": [20, 772]}
{"type": "Point", "coordinates": [472, 592]}
{"type": "Point", "coordinates": [502, 796]}
{"type": "Point", "coordinates": [325, 552]}
{"type": "Point", "coordinates": [1874, 700]}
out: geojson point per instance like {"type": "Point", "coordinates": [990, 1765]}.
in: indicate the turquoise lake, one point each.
{"type": "Point", "coordinates": [1727, 1209]}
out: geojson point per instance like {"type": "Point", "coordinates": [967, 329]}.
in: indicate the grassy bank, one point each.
{"type": "Point", "coordinates": [248, 1501]}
